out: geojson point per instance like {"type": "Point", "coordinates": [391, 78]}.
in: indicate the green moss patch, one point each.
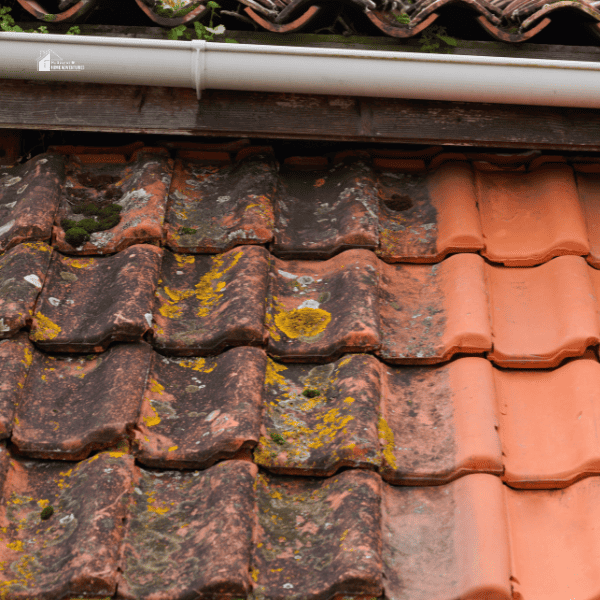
{"type": "Point", "coordinates": [98, 218]}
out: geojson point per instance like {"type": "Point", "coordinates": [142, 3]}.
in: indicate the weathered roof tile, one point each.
{"type": "Point", "coordinates": [22, 274]}
{"type": "Point", "coordinates": [197, 411]}
{"type": "Point", "coordinates": [87, 303]}
{"type": "Point", "coordinates": [207, 303]}
{"type": "Point", "coordinates": [71, 407]}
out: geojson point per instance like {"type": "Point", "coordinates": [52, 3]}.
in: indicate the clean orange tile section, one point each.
{"type": "Point", "coordinates": [446, 542]}
{"type": "Point", "coordinates": [549, 424]}
{"type": "Point", "coordinates": [555, 542]}
{"type": "Point", "coordinates": [528, 218]}
{"type": "Point", "coordinates": [544, 314]}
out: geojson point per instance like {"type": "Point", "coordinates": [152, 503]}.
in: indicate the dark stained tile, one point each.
{"type": "Point", "coordinates": [447, 542]}
{"type": "Point", "coordinates": [320, 213]}
{"type": "Point", "coordinates": [317, 539]}
{"type": "Point", "coordinates": [189, 534]}
{"type": "Point", "coordinates": [318, 310]}
{"type": "Point", "coordinates": [138, 187]}
{"type": "Point", "coordinates": [588, 188]}
{"type": "Point", "coordinates": [74, 552]}
{"type": "Point", "coordinates": [87, 303]}
{"type": "Point", "coordinates": [439, 423]}
{"type": "Point", "coordinates": [206, 303]}
{"type": "Point", "coordinates": [72, 406]}
{"type": "Point", "coordinates": [430, 312]}
{"type": "Point", "coordinates": [426, 216]}
{"type": "Point", "coordinates": [215, 207]}
{"type": "Point", "coordinates": [29, 197]}
{"type": "Point", "coordinates": [318, 419]}
{"type": "Point", "coordinates": [15, 359]}
{"type": "Point", "coordinates": [197, 411]}
{"type": "Point", "coordinates": [22, 274]}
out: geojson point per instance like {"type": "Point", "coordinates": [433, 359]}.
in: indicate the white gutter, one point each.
{"type": "Point", "coordinates": [207, 65]}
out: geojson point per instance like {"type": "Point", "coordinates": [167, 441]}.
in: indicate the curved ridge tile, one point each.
{"type": "Point", "coordinates": [75, 313]}
{"type": "Point", "coordinates": [318, 310]}
{"type": "Point", "coordinates": [318, 419]}
{"type": "Point", "coordinates": [543, 314]}
{"type": "Point", "coordinates": [318, 538]}
{"type": "Point", "coordinates": [29, 198]}
{"type": "Point", "coordinates": [15, 359]}
{"type": "Point", "coordinates": [555, 547]}
{"type": "Point", "coordinates": [206, 303]}
{"type": "Point", "coordinates": [563, 446]}
{"type": "Point", "coordinates": [529, 218]}
{"type": "Point", "coordinates": [74, 11]}
{"type": "Point", "coordinates": [439, 423]}
{"type": "Point", "coordinates": [430, 312]}
{"type": "Point", "coordinates": [224, 205]}
{"type": "Point", "coordinates": [139, 187]}
{"type": "Point", "coordinates": [75, 551]}
{"type": "Point", "coordinates": [426, 216]}
{"type": "Point", "coordinates": [456, 534]}
{"type": "Point", "coordinates": [588, 186]}
{"type": "Point", "coordinates": [194, 13]}
{"type": "Point", "coordinates": [71, 407]}
{"type": "Point", "coordinates": [189, 534]}
{"type": "Point", "coordinates": [322, 213]}
{"type": "Point", "coordinates": [22, 274]}
{"type": "Point", "coordinates": [197, 411]}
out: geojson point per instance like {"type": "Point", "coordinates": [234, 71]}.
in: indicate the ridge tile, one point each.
{"type": "Point", "coordinates": [89, 302]}
{"type": "Point", "coordinates": [22, 274]}
{"type": "Point", "coordinates": [205, 303]}
{"type": "Point", "coordinates": [74, 552]}
{"type": "Point", "coordinates": [224, 205]}
{"type": "Point", "coordinates": [197, 411]}
{"type": "Point", "coordinates": [189, 534]}
{"type": "Point", "coordinates": [139, 187]}
{"type": "Point", "coordinates": [318, 538]}
{"type": "Point", "coordinates": [70, 407]}
{"type": "Point", "coordinates": [29, 197]}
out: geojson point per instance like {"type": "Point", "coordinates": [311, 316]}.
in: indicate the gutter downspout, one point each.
{"type": "Point", "coordinates": [208, 65]}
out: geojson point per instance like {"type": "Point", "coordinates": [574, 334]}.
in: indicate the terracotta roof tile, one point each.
{"type": "Point", "coordinates": [72, 406]}
{"type": "Point", "coordinates": [75, 551]}
{"type": "Point", "coordinates": [543, 314]}
{"type": "Point", "coordinates": [316, 539]}
{"type": "Point", "coordinates": [224, 205]}
{"type": "Point", "coordinates": [189, 534]}
{"type": "Point", "coordinates": [22, 275]}
{"type": "Point", "coordinates": [74, 312]}
{"type": "Point", "coordinates": [206, 303]}
{"type": "Point", "coordinates": [197, 411]}
{"type": "Point", "coordinates": [138, 187]}
{"type": "Point", "coordinates": [29, 196]}
{"type": "Point", "coordinates": [529, 218]}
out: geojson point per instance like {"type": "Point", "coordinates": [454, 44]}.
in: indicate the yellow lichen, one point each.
{"type": "Point", "coordinates": [254, 574]}
{"type": "Point", "coordinates": [27, 357]}
{"type": "Point", "coordinates": [349, 400]}
{"type": "Point", "coordinates": [38, 246]}
{"type": "Point", "coordinates": [172, 448]}
{"type": "Point", "coordinates": [170, 311]}
{"type": "Point", "coordinates": [44, 328]}
{"type": "Point", "coordinates": [156, 387]}
{"type": "Point", "coordinates": [386, 436]}
{"type": "Point", "coordinates": [16, 546]}
{"type": "Point", "coordinates": [208, 290]}
{"type": "Point", "coordinates": [42, 503]}
{"type": "Point", "coordinates": [79, 263]}
{"type": "Point", "coordinates": [302, 322]}
{"type": "Point", "coordinates": [184, 259]}
{"type": "Point", "coordinates": [116, 454]}
{"type": "Point", "coordinates": [272, 376]}
{"type": "Point", "coordinates": [197, 364]}
{"type": "Point", "coordinates": [154, 420]}
{"type": "Point", "coordinates": [160, 510]}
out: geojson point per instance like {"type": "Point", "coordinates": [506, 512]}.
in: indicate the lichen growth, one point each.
{"type": "Point", "coordinates": [302, 322]}
{"type": "Point", "coordinates": [386, 437]}
{"type": "Point", "coordinates": [44, 329]}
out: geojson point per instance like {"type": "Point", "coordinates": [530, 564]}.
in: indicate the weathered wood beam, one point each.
{"type": "Point", "coordinates": [175, 111]}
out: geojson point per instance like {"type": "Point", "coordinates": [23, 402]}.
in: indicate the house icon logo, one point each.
{"type": "Point", "coordinates": [48, 60]}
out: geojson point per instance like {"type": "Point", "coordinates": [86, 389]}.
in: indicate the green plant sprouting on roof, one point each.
{"type": "Point", "coordinates": [7, 23]}
{"type": "Point", "coordinates": [202, 31]}
{"type": "Point", "coordinates": [98, 218]}
{"type": "Point", "coordinates": [402, 18]}
{"type": "Point", "coordinates": [436, 40]}
{"type": "Point", "coordinates": [172, 12]}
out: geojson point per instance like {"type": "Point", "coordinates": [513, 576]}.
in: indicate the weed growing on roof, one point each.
{"type": "Point", "coordinates": [186, 231]}
{"type": "Point", "coordinates": [402, 18]}
{"type": "Point", "coordinates": [173, 12]}
{"type": "Point", "coordinates": [46, 513]}
{"type": "Point", "coordinates": [278, 439]}
{"type": "Point", "coordinates": [7, 23]}
{"type": "Point", "coordinates": [436, 40]}
{"type": "Point", "coordinates": [99, 218]}
{"type": "Point", "coordinates": [202, 32]}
